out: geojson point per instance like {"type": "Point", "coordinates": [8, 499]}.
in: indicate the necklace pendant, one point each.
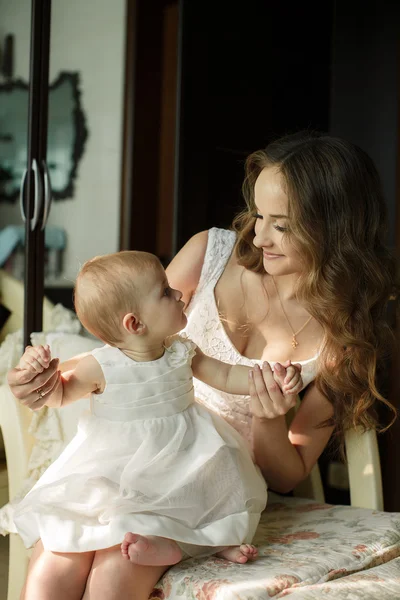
{"type": "Point", "coordinates": [295, 343]}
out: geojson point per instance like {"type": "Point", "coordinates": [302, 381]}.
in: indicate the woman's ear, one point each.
{"type": "Point", "coordinates": [132, 324]}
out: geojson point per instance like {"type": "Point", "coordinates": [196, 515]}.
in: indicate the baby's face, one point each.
{"type": "Point", "coordinates": [161, 306]}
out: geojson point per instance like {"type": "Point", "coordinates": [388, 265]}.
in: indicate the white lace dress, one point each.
{"type": "Point", "coordinates": [204, 327]}
{"type": "Point", "coordinates": [147, 459]}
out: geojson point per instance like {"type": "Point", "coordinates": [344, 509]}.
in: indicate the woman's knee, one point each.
{"type": "Point", "coordinates": [63, 574]}
{"type": "Point", "coordinates": [113, 577]}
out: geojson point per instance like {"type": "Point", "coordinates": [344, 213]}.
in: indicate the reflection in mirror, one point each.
{"type": "Point", "coordinates": [67, 134]}
{"type": "Point", "coordinates": [89, 217]}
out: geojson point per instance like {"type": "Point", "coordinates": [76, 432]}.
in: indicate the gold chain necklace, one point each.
{"type": "Point", "coordinates": [295, 343]}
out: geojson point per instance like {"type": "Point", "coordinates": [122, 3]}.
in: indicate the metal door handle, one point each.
{"type": "Point", "coordinates": [47, 194]}
{"type": "Point", "coordinates": [37, 197]}
{"type": "Point", "coordinates": [21, 196]}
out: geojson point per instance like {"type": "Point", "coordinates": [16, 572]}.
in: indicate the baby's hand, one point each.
{"type": "Point", "coordinates": [35, 359]}
{"type": "Point", "coordinates": [288, 377]}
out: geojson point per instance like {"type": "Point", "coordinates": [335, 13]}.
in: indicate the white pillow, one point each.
{"type": "Point", "coordinates": [65, 345]}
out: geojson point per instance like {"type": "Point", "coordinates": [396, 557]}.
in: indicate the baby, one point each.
{"type": "Point", "coordinates": [148, 458]}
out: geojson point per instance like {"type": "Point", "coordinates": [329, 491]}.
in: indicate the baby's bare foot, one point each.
{"type": "Point", "coordinates": [239, 554]}
{"type": "Point", "coordinates": [150, 550]}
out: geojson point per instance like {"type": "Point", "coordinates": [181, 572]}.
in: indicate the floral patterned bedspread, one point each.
{"type": "Point", "coordinates": [377, 583]}
{"type": "Point", "coordinates": [307, 551]}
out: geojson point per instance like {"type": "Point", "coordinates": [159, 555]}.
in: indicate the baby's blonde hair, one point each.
{"type": "Point", "coordinates": [108, 287]}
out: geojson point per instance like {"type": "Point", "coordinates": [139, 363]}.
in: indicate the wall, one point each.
{"type": "Point", "coordinates": [248, 75]}
{"type": "Point", "coordinates": [365, 86]}
{"type": "Point", "coordinates": [365, 110]}
{"type": "Point", "coordinates": [87, 36]}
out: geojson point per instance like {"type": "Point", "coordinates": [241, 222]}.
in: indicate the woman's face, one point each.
{"type": "Point", "coordinates": [280, 257]}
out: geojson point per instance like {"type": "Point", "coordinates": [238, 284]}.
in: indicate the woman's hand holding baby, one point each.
{"type": "Point", "coordinates": [35, 376]}
{"type": "Point", "coordinates": [35, 359]}
{"type": "Point", "coordinates": [273, 393]}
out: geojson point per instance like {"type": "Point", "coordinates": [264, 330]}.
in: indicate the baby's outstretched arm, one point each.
{"type": "Point", "coordinates": [234, 379]}
{"type": "Point", "coordinates": [84, 378]}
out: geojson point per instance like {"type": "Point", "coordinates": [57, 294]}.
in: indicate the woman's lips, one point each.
{"type": "Point", "coordinates": [269, 255]}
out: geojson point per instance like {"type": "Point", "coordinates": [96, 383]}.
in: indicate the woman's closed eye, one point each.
{"type": "Point", "coordinates": [280, 228]}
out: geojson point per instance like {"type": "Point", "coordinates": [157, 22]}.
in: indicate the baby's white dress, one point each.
{"type": "Point", "coordinates": [147, 459]}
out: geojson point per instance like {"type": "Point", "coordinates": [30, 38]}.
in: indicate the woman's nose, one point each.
{"type": "Point", "coordinates": [262, 239]}
{"type": "Point", "coordinates": [256, 241]}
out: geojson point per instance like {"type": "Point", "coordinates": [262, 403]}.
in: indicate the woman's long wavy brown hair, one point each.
{"type": "Point", "coordinates": [337, 222]}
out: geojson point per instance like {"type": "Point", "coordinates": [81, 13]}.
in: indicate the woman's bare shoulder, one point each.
{"type": "Point", "coordinates": [184, 270]}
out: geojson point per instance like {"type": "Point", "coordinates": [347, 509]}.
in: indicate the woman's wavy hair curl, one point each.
{"type": "Point", "coordinates": [337, 222]}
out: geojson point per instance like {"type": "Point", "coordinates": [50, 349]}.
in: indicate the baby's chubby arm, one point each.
{"type": "Point", "coordinates": [86, 376]}
{"type": "Point", "coordinates": [234, 379]}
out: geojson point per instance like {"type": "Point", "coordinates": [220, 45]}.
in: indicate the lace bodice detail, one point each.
{"type": "Point", "coordinates": [205, 328]}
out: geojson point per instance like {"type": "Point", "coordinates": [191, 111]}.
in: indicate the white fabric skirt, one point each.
{"type": "Point", "coordinates": [188, 476]}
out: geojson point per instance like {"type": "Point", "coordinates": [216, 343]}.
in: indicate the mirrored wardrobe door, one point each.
{"type": "Point", "coordinates": [33, 152]}
{"type": "Point", "coordinates": [84, 142]}
{"type": "Point", "coordinates": [15, 39]}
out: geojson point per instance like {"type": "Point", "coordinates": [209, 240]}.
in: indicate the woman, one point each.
{"type": "Point", "coordinates": [305, 276]}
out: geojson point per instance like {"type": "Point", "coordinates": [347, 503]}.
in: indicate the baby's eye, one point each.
{"type": "Point", "coordinates": [167, 291]}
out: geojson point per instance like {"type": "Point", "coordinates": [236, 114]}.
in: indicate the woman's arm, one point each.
{"type": "Point", "coordinates": [184, 270]}
{"type": "Point", "coordinates": [286, 456]}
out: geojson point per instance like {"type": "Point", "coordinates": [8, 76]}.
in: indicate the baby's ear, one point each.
{"type": "Point", "coordinates": [132, 324]}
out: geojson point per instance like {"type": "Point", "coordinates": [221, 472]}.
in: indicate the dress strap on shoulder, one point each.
{"type": "Point", "coordinates": [219, 248]}
{"type": "Point", "coordinates": [104, 354]}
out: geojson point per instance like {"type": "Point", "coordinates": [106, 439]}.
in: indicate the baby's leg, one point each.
{"type": "Point", "coordinates": [113, 578]}
{"type": "Point", "coordinates": [56, 575]}
{"type": "Point", "coordinates": [239, 554]}
{"type": "Point", "coordinates": [150, 550]}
